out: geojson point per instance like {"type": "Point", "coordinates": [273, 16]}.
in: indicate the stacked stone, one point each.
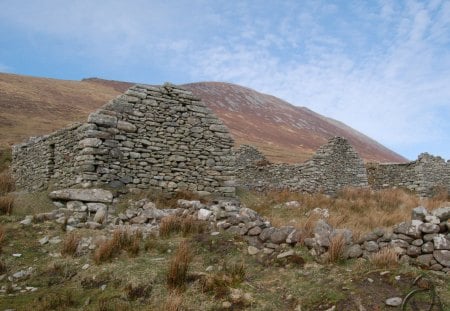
{"type": "Point", "coordinates": [247, 155]}
{"type": "Point", "coordinates": [151, 137]}
{"type": "Point", "coordinates": [48, 158]}
{"type": "Point", "coordinates": [425, 240]}
{"type": "Point", "coordinates": [425, 176]}
{"type": "Point", "coordinates": [334, 166]}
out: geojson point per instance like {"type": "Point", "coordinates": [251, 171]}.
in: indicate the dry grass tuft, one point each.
{"type": "Point", "coordinates": [173, 302]}
{"type": "Point", "coordinates": [358, 209]}
{"type": "Point", "coordinates": [105, 251]}
{"type": "Point", "coordinates": [70, 245]}
{"type": "Point", "coordinates": [174, 224]}
{"type": "Point", "coordinates": [385, 258]}
{"type": "Point", "coordinates": [178, 266]}
{"type": "Point", "coordinates": [336, 249]}
{"type": "Point", "coordinates": [6, 204]}
{"type": "Point", "coordinates": [122, 239]}
{"type": "Point", "coordinates": [7, 183]}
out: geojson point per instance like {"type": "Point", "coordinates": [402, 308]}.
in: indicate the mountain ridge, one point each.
{"type": "Point", "coordinates": [32, 106]}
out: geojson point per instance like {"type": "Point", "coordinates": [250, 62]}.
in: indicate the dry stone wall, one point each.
{"type": "Point", "coordinates": [335, 165]}
{"type": "Point", "coordinates": [150, 137]}
{"type": "Point", "coordinates": [425, 176]}
{"type": "Point", "coordinates": [47, 159]}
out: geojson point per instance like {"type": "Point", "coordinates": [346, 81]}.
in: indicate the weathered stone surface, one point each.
{"type": "Point", "coordinates": [252, 250]}
{"type": "Point", "coordinates": [278, 236]}
{"type": "Point", "coordinates": [443, 257]}
{"type": "Point", "coordinates": [419, 213]}
{"type": "Point", "coordinates": [442, 213]}
{"type": "Point", "coordinates": [371, 246]}
{"type": "Point", "coordinates": [126, 126]}
{"type": "Point", "coordinates": [254, 231]}
{"type": "Point", "coordinates": [413, 251]}
{"type": "Point", "coordinates": [427, 247]}
{"type": "Point", "coordinates": [394, 301]}
{"type": "Point", "coordinates": [441, 241]}
{"type": "Point", "coordinates": [354, 251]}
{"type": "Point", "coordinates": [86, 195]}
{"type": "Point", "coordinates": [203, 214]}
{"type": "Point", "coordinates": [90, 142]}
{"type": "Point", "coordinates": [100, 216]}
{"type": "Point", "coordinates": [429, 228]}
{"type": "Point", "coordinates": [102, 119]}
{"type": "Point", "coordinates": [424, 260]}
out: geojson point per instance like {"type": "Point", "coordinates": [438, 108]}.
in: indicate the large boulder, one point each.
{"type": "Point", "coordinates": [85, 195]}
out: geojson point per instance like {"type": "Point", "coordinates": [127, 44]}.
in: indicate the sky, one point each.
{"type": "Point", "coordinates": [381, 67]}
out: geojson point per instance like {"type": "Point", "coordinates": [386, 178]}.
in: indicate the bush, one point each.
{"type": "Point", "coordinates": [178, 266]}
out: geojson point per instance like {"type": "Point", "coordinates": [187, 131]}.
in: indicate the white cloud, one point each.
{"type": "Point", "coordinates": [383, 69]}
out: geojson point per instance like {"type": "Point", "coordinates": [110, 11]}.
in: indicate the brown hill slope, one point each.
{"type": "Point", "coordinates": [32, 106]}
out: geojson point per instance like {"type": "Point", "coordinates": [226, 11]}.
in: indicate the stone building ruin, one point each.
{"type": "Point", "coordinates": [335, 165]}
{"type": "Point", "coordinates": [425, 176]}
{"type": "Point", "coordinates": [163, 138]}
{"type": "Point", "coordinates": [150, 138]}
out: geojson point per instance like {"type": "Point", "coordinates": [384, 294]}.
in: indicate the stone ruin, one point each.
{"type": "Point", "coordinates": [334, 165]}
{"type": "Point", "coordinates": [163, 138]}
{"type": "Point", "coordinates": [159, 138]}
{"type": "Point", "coordinates": [425, 176]}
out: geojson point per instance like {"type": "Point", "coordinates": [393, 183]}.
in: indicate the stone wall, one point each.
{"type": "Point", "coordinates": [47, 159]}
{"type": "Point", "coordinates": [425, 176]}
{"type": "Point", "coordinates": [150, 137]}
{"type": "Point", "coordinates": [335, 165]}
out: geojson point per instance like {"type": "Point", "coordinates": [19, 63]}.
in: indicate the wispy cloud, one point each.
{"type": "Point", "coordinates": [381, 67]}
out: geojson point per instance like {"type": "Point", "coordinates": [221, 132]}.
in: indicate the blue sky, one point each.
{"type": "Point", "coordinates": [382, 67]}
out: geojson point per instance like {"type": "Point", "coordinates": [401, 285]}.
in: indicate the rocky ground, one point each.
{"type": "Point", "coordinates": [84, 255]}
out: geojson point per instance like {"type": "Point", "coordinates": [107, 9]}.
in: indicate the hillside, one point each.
{"type": "Point", "coordinates": [31, 106]}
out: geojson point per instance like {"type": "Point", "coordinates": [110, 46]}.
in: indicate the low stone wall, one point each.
{"type": "Point", "coordinates": [160, 138]}
{"type": "Point", "coordinates": [335, 165]}
{"type": "Point", "coordinates": [425, 176]}
{"type": "Point", "coordinates": [47, 159]}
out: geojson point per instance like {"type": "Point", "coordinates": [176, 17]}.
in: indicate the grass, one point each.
{"type": "Point", "coordinates": [179, 266]}
{"type": "Point", "coordinates": [385, 258]}
{"type": "Point", "coordinates": [175, 224]}
{"type": "Point", "coordinates": [336, 249]}
{"type": "Point", "coordinates": [359, 209]}
{"type": "Point", "coordinates": [2, 237]}
{"type": "Point", "coordinates": [70, 244]}
{"type": "Point", "coordinates": [173, 302]}
{"type": "Point", "coordinates": [7, 183]}
{"type": "Point", "coordinates": [5, 158]}
{"type": "Point", "coordinates": [122, 239]}
{"type": "Point", "coordinates": [6, 204]}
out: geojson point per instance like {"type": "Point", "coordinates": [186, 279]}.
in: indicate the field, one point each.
{"type": "Point", "coordinates": [195, 269]}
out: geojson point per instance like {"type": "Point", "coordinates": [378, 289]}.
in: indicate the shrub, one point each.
{"type": "Point", "coordinates": [385, 258]}
{"type": "Point", "coordinates": [178, 266]}
{"type": "Point", "coordinates": [6, 204]}
{"type": "Point", "coordinates": [6, 183]}
{"type": "Point", "coordinates": [70, 244]}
